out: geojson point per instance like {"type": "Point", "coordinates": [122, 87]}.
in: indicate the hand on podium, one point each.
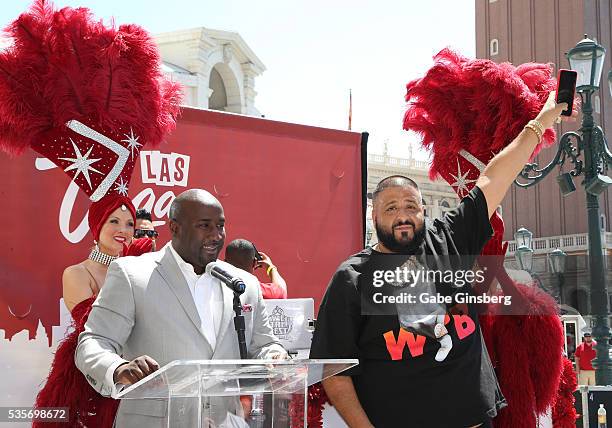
{"type": "Point", "coordinates": [278, 355]}
{"type": "Point", "coordinates": [135, 370]}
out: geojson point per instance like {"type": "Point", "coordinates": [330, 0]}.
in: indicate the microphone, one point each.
{"type": "Point", "coordinates": [234, 283]}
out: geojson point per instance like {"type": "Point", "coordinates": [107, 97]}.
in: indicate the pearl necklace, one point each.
{"type": "Point", "coordinates": [98, 256]}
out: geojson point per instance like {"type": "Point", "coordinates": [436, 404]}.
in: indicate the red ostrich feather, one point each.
{"type": "Point", "coordinates": [64, 64]}
{"type": "Point", "coordinates": [478, 107]}
{"type": "Point", "coordinates": [564, 413]}
{"type": "Point", "coordinates": [475, 105]}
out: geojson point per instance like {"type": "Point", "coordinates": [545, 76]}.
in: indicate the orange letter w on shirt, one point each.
{"type": "Point", "coordinates": [395, 348]}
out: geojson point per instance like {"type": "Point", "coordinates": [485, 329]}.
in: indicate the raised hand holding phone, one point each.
{"type": "Point", "coordinates": [566, 88]}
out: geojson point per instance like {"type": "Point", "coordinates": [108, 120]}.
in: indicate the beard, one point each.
{"type": "Point", "coordinates": [401, 247]}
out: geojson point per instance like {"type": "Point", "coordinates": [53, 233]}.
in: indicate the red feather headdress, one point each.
{"type": "Point", "coordinates": [84, 95]}
{"type": "Point", "coordinates": [466, 111]}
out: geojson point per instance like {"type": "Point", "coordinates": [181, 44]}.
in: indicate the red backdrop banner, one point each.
{"type": "Point", "coordinates": [295, 191]}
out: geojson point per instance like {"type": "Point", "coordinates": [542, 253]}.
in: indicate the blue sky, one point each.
{"type": "Point", "coordinates": [315, 50]}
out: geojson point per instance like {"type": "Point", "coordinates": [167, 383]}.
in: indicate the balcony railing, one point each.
{"type": "Point", "coordinates": [403, 162]}
{"type": "Point", "coordinates": [576, 242]}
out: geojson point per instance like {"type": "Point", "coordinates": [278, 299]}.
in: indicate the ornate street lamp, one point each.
{"type": "Point", "coordinates": [524, 254]}
{"type": "Point", "coordinates": [590, 156]}
{"type": "Point", "coordinates": [587, 59]}
{"type": "Point", "coordinates": [523, 237]}
{"type": "Point", "coordinates": [556, 260]}
{"type": "Point", "coordinates": [524, 258]}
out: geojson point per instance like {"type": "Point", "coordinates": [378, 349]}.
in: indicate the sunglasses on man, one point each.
{"type": "Point", "coordinates": [141, 233]}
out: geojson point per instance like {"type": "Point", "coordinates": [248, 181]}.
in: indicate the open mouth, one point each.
{"type": "Point", "coordinates": [120, 239]}
{"type": "Point", "coordinates": [211, 248]}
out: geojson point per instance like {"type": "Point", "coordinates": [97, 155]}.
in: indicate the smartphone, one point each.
{"type": "Point", "coordinates": [566, 87]}
{"type": "Point", "coordinates": [257, 255]}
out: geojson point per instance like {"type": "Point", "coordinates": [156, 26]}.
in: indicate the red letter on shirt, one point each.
{"type": "Point", "coordinates": [396, 348]}
{"type": "Point", "coordinates": [464, 325]}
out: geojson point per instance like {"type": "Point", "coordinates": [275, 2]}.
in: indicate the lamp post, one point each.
{"type": "Point", "coordinates": [590, 157]}
{"type": "Point", "coordinates": [556, 260]}
{"type": "Point", "coordinates": [523, 237]}
{"type": "Point", "coordinates": [524, 253]}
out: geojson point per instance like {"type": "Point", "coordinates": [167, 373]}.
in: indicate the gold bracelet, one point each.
{"type": "Point", "coordinates": [270, 269]}
{"type": "Point", "coordinates": [538, 125]}
{"type": "Point", "coordinates": [535, 130]}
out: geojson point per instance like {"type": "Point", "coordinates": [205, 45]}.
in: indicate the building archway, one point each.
{"type": "Point", "coordinates": [225, 94]}
{"type": "Point", "coordinates": [218, 95]}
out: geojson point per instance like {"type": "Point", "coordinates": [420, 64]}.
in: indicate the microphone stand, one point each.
{"type": "Point", "coordinates": [240, 327]}
{"type": "Point", "coordinates": [256, 417]}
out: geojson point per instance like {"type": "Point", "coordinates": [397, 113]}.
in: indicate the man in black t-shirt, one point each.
{"type": "Point", "coordinates": [421, 364]}
{"type": "Point", "coordinates": [401, 374]}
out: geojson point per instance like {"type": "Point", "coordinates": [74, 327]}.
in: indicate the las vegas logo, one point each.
{"type": "Point", "coordinates": [160, 169]}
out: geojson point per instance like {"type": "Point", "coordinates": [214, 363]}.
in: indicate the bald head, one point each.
{"type": "Point", "coordinates": [192, 196]}
{"type": "Point", "coordinates": [197, 224]}
{"type": "Point", "coordinates": [394, 181]}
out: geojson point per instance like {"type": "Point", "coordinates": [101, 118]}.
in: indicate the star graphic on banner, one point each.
{"type": "Point", "coordinates": [81, 163]}
{"type": "Point", "coordinates": [122, 187]}
{"type": "Point", "coordinates": [132, 142]}
{"type": "Point", "coordinates": [461, 181]}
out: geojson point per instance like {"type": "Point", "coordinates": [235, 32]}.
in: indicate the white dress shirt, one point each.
{"type": "Point", "coordinates": [208, 299]}
{"type": "Point", "coordinates": [207, 296]}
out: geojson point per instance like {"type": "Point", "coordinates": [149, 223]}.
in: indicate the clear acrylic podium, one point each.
{"type": "Point", "coordinates": [234, 393]}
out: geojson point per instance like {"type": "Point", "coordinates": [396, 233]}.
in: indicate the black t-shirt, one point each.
{"type": "Point", "coordinates": [398, 380]}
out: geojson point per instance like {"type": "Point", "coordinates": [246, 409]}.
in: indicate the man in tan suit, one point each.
{"type": "Point", "coordinates": [162, 306]}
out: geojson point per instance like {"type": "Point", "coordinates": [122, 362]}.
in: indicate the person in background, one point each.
{"type": "Point", "coordinates": [144, 220]}
{"type": "Point", "coordinates": [111, 221]}
{"type": "Point", "coordinates": [144, 226]}
{"type": "Point", "coordinates": [584, 355]}
{"type": "Point", "coordinates": [243, 254]}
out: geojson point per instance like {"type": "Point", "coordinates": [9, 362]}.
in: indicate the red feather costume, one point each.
{"type": "Point", "coordinates": [564, 413]}
{"type": "Point", "coordinates": [67, 387]}
{"type": "Point", "coordinates": [466, 111]}
{"type": "Point", "coordinates": [88, 97]}
{"type": "Point", "coordinates": [65, 65]}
